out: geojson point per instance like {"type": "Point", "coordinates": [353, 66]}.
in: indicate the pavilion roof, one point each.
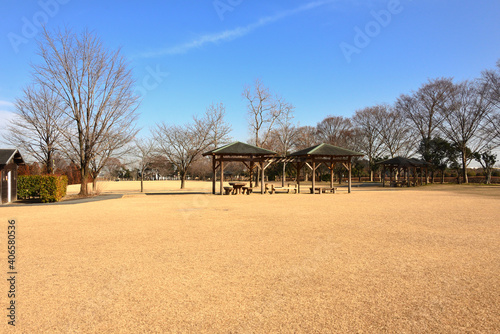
{"type": "Point", "coordinates": [239, 148]}
{"type": "Point", "coordinates": [326, 150]}
{"type": "Point", "coordinates": [10, 155]}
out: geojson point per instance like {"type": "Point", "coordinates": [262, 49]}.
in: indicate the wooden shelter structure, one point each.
{"type": "Point", "coordinates": [251, 156]}
{"type": "Point", "coordinates": [10, 159]}
{"type": "Point", "coordinates": [405, 171]}
{"type": "Point", "coordinates": [326, 154]}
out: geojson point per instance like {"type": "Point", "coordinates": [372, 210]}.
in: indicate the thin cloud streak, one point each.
{"type": "Point", "coordinates": [6, 103]}
{"type": "Point", "coordinates": [235, 33]}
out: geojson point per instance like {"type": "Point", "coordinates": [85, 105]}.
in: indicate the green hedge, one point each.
{"type": "Point", "coordinates": [48, 188]}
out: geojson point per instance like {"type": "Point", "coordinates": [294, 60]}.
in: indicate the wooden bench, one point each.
{"type": "Point", "coordinates": [272, 189]}
{"type": "Point", "coordinates": [246, 190]}
{"type": "Point", "coordinates": [228, 190]}
{"type": "Point", "coordinates": [315, 189]}
{"type": "Point", "coordinates": [287, 189]}
{"type": "Point", "coordinates": [398, 184]}
{"type": "Point", "coordinates": [323, 190]}
{"type": "Point", "coordinates": [329, 190]}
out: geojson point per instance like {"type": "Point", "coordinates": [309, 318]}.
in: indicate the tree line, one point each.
{"type": "Point", "coordinates": [81, 106]}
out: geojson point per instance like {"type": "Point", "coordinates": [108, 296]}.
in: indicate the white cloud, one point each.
{"type": "Point", "coordinates": [5, 118]}
{"type": "Point", "coordinates": [232, 34]}
{"type": "Point", "coordinates": [6, 104]}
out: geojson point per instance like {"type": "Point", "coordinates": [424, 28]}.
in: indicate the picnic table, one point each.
{"type": "Point", "coordinates": [237, 187]}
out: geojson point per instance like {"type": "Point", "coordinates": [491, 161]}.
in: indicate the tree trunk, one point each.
{"type": "Point", "coordinates": [442, 176]}
{"type": "Point", "coordinates": [49, 168]}
{"type": "Point", "coordinates": [83, 184]}
{"type": "Point", "coordinates": [183, 180]}
{"type": "Point", "coordinates": [464, 167]}
{"type": "Point", "coordinates": [371, 175]}
{"type": "Point", "coordinates": [284, 175]}
{"type": "Point", "coordinates": [94, 184]}
{"type": "Point", "coordinates": [142, 181]}
{"type": "Point", "coordinates": [488, 177]}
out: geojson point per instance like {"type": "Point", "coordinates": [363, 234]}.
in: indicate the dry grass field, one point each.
{"type": "Point", "coordinates": [414, 260]}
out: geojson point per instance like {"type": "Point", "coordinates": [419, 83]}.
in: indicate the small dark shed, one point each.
{"type": "Point", "coordinates": [10, 159]}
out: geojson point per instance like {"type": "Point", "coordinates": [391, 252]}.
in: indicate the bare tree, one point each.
{"type": "Point", "coordinates": [201, 168]}
{"type": "Point", "coordinates": [183, 145]}
{"type": "Point", "coordinates": [336, 130]}
{"type": "Point", "coordinates": [35, 130]}
{"type": "Point", "coordinates": [465, 120]}
{"type": "Point", "coordinates": [487, 161]}
{"type": "Point", "coordinates": [262, 112]}
{"type": "Point", "coordinates": [491, 81]}
{"type": "Point", "coordinates": [394, 131]}
{"type": "Point", "coordinates": [115, 146]}
{"type": "Point", "coordinates": [145, 149]}
{"type": "Point", "coordinates": [368, 135]}
{"type": "Point", "coordinates": [285, 131]}
{"type": "Point", "coordinates": [306, 136]}
{"type": "Point", "coordinates": [112, 167]}
{"type": "Point", "coordinates": [96, 89]}
{"type": "Point", "coordinates": [219, 128]}
{"type": "Point", "coordinates": [422, 107]}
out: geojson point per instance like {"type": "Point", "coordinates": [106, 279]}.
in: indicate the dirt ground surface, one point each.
{"type": "Point", "coordinates": [415, 260]}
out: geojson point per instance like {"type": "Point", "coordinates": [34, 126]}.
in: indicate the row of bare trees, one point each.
{"type": "Point", "coordinates": [465, 115]}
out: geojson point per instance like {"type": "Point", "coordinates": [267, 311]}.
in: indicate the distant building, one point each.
{"type": "Point", "coordinates": [10, 159]}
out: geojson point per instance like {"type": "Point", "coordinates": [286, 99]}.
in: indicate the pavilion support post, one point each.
{"type": "Point", "coordinates": [262, 177]}
{"type": "Point", "coordinates": [251, 173]}
{"type": "Point", "coordinates": [383, 175]}
{"type": "Point", "coordinates": [349, 164]}
{"type": "Point", "coordinates": [332, 166]}
{"type": "Point", "coordinates": [215, 174]}
{"type": "Point", "coordinates": [313, 176]}
{"type": "Point", "coordinates": [221, 176]}
{"type": "Point", "coordinates": [298, 177]}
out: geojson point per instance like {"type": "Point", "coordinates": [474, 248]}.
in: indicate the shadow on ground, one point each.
{"type": "Point", "coordinates": [38, 202]}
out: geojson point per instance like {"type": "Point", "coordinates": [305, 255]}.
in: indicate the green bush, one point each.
{"type": "Point", "coordinates": [28, 186]}
{"type": "Point", "coordinates": [48, 188]}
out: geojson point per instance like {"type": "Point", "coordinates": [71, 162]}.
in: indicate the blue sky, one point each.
{"type": "Point", "coordinates": [207, 51]}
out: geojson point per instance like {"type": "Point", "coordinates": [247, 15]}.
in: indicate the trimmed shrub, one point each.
{"type": "Point", "coordinates": [28, 186]}
{"type": "Point", "coordinates": [48, 188]}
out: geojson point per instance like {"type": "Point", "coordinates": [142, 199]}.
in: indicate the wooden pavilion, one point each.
{"type": "Point", "coordinates": [405, 171]}
{"type": "Point", "coordinates": [251, 156]}
{"type": "Point", "coordinates": [326, 154]}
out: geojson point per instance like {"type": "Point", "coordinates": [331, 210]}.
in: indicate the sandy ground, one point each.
{"type": "Point", "coordinates": [414, 260]}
